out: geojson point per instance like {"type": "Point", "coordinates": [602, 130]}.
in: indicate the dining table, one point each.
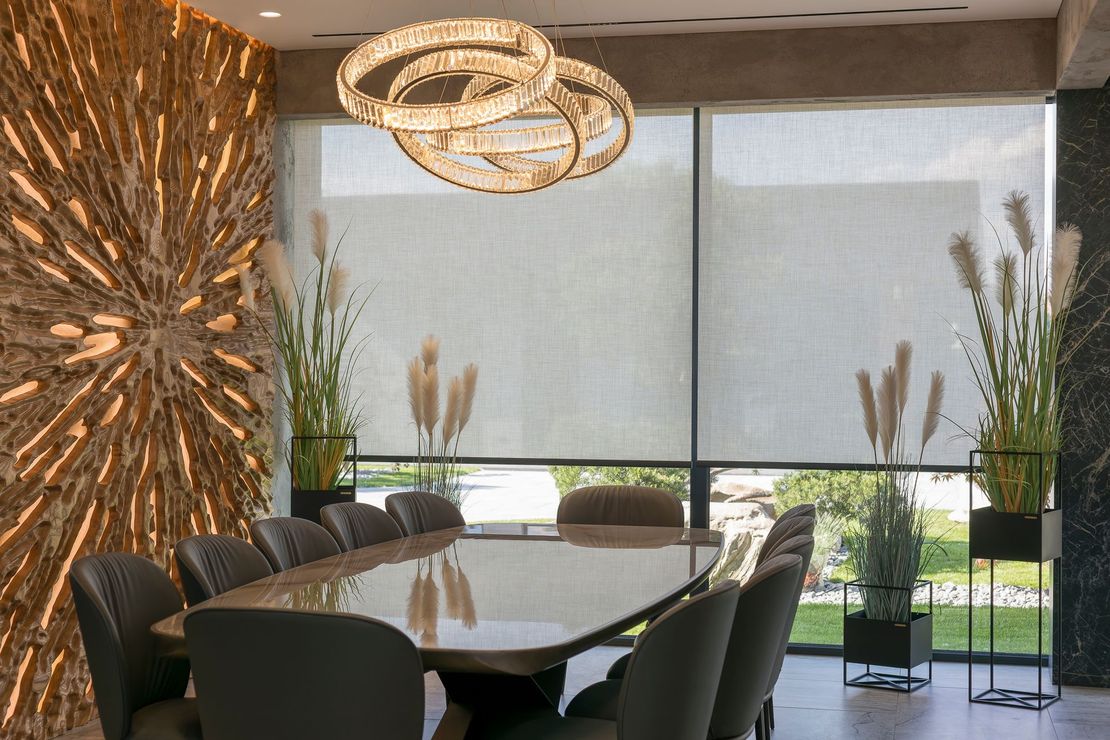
{"type": "Point", "coordinates": [496, 610]}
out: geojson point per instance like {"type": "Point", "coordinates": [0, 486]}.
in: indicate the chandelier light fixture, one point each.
{"type": "Point", "coordinates": [479, 139]}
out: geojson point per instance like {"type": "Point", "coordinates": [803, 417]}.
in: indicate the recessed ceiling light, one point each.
{"type": "Point", "coordinates": [270, 14]}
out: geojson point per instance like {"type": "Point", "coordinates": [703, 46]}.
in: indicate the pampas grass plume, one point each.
{"type": "Point", "coordinates": [470, 386]}
{"type": "Point", "coordinates": [1065, 261]}
{"type": "Point", "coordinates": [416, 391]}
{"type": "Point", "coordinates": [1005, 267]}
{"type": "Point", "coordinates": [431, 399]}
{"type": "Point", "coordinates": [888, 410]}
{"type": "Point", "coordinates": [1017, 215]}
{"type": "Point", "coordinates": [962, 249]}
{"type": "Point", "coordinates": [246, 284]}
{"type": "Point", "coordinates": [867, 401]}
{"type": "Point", "coordinates": [903, 356]}
{"type": "Point", "coordinates": [319, 234]}
{"type": "Point", "coordinates": [272, 256]}
{"type": "Point", "coordinates": [932, 408]}
{"type": "Point", "coordinates": [337, 287]}
{"type": "Point", "coordinates": [429, 350]}
{"type": "Point", "coordinates": [454, 408]}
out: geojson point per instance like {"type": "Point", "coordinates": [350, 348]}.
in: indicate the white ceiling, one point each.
{"type": "Point", "coordinates": [303, 20]}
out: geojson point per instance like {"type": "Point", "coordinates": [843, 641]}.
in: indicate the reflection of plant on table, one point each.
{"type": "Point", "coordinates": [1015, 356]}
{"type": "Point", "coordinates": [423, 602]}
{"type": "Point", "coordinates": [888, 540]}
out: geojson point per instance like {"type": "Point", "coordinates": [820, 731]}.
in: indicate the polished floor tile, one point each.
{"type": "Point", "coordinates": [812, 702]}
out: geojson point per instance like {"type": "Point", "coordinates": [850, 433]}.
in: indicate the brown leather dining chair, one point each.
{"type": "Point", "coordinates": [417, 512]}
{"type": "Point", "coordinates": [671, 683]}
{"type": "Point", "coordinates": [211, 564]}
{"type": "Point", "coordinates": [289, 675]}
{"type": "Point", "coordinates": [630, 506]}
{"type": "Point", "coordinates": [762, 609]}
{"type": "Point", "coordinates": [794, 527]}
{"type": "Point", "coordinates": [288, 542]}
{"type": "Point", "coordinates": [802, 546]}
{"type": "Point", "coordinates": [140, 694]}
{"type": "Point", "coordinates": [355, 525]}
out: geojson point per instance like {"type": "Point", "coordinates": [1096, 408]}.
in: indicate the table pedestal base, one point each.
{"type": "Point", "coordinates": [475, 701]}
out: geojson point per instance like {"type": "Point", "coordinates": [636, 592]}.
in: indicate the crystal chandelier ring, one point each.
{"type": "Point", "coordinates": [537, 176]}
{"type": "Point", "coordinates": [604, 86]}
{"type": "Point", "coordinates": [533, 52]}
{"type": "Point", "coordinates": [491, 69]}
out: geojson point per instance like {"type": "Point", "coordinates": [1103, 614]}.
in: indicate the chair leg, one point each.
{"type": "Point", "coordinates": [762, 731]}
{"type": "Point", "coordinates": [771, 711]}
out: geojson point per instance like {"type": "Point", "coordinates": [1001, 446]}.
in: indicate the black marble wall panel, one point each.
{"type": "Point", "coordinates": [1083, 198]}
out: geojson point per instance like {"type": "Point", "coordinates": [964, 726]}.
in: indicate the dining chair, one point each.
{"type": "Point", "coordinates": [140, 694]}
{"type": "Point", "coordinates": [761, 610]}
{"type": "Point", "coordinates": [211, 564]}
{"type": "Point", "coordinates": [802, 546]}
{"type": "Point", "coordinates": [417, 512]}
{"type": "Point", "coordinates": [809, 510]}
{"type": "Point", "coordinates": [289, 675]}
{"type": "Point", "coordinates": [795, 527]}
{"type": "Point", "coordinates": [288, 542]}
{"type": "Point", "coordinates": [671, 683]}
{"type": "Point", "coordinates": [630, 506]}
{"type": "Point", "coordinates": [355, 525]}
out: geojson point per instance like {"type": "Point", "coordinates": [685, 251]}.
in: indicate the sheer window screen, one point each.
{"type": "Point", "coordinates": [575, 302]}
{"type": "Point", "coordinates": [823, 234]}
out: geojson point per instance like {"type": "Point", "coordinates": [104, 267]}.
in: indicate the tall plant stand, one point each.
{"type": "Point", "coordinates": [306, 504]}
{"type": "Point", "coordinates": [1026, 538]}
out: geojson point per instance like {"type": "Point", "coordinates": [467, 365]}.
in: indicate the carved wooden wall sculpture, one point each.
{"type": "Point", "coordinates": [135, 175]}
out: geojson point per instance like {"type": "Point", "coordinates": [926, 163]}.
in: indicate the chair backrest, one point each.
{"type": "Point", "coordinates": [118, 596]}
{"type": "Point", "coordinates": [630, 506]}
{"type": "Point", "coordinates": [288, 675]}
{"type": "Point", "coordinates": [211, 564]}
{"type": "Point", "coordinates": [287, 542]}
{"type": "Point", "coordinates": [809, 510]}
{"type": "Point", "coordinates": [761, 611]}
{"type": "Point", "coordinates": [417, 512]}
{"type": "Point", "coordinates": [671, 682]}
{"type": "Point", "coordinates": [795, 527]}
{"type": "Point", "coordinates": [355, 525]}
{"type": "Point", "coordinates": [802, 546]}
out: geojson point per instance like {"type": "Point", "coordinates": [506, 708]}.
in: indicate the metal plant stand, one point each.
{"type": "Point", "coordinates": [1027, 538]}
{"type": "Point", "coordinates": [902, 644]}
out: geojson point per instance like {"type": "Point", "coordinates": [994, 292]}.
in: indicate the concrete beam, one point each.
{"type": "Point", "coordinates": [1083, 44]}
{"type": "Point", "coordinates": [865, 62]}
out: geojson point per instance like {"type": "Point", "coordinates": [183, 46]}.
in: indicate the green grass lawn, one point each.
{"type": "Point", "coordinates": [1015, 630]}
{"type": "Point", "coordinates": [400, 477]}
{"type": "Point", "coordinates": [949, 561]}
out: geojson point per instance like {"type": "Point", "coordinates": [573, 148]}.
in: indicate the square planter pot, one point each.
{"type": "Point", "coordinates": [1030, 538]}
{"type": "Point", "coordinates": [307, 504]}
{"type": "Point", "coordinates": [897, 644]}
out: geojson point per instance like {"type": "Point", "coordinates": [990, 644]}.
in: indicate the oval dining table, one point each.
{"type": "Point", "coordinates": [495, 609]}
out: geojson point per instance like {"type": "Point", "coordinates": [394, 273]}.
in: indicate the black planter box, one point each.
{"type": "Point", "coordinates": [903, 645]}
{"type": "Point", "coordinates": [307, 504]}
{"type": "Point", "coordinates": [1029, 538]}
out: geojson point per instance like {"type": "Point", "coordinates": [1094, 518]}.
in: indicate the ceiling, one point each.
{"type": "Point", "coordinates": [314, 24]}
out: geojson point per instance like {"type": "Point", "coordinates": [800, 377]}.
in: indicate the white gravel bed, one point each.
{"type": "Point", "coordinates": [944, 594]}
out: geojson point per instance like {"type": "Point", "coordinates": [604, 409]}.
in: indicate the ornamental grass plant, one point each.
{"type": "Point", "coordinates": [888, 540]}
{"type": "Point", "coordinates": [1015, 355]}
{"type": "Point", "coordinates": [311, 337]}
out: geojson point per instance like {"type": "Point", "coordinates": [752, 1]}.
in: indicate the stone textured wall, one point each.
{"type": "Point", "coordinates": [135, 183]}
{"type": "Point", "coordinates": [1082, 190]}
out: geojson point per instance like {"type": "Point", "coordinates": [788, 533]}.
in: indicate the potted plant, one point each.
{"type": "Point", "coordinates": [311, 336]}
{"type": "Point", "coordinates": [1014, 361]}
{"type": "Point", "coordinates": [436, 467]}
{"type": "Point", "coordinates": [888, 543]}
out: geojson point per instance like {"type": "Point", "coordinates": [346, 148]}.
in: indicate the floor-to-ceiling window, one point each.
{"type": "Point", "coordinates": [815, 236]}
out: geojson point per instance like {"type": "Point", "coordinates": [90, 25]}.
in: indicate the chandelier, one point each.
{"type": "Point", "coordinates": [511, 72]}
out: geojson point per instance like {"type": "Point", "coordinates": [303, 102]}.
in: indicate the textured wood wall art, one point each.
{"type": "Point", "coordinates": [135, 181]}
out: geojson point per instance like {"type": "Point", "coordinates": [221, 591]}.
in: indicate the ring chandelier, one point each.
{"type": "Point", "coordinates": [512, 72]}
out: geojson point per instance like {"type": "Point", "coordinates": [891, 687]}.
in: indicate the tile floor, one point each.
{"type": "Point", "coordinates": [811, 702]}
